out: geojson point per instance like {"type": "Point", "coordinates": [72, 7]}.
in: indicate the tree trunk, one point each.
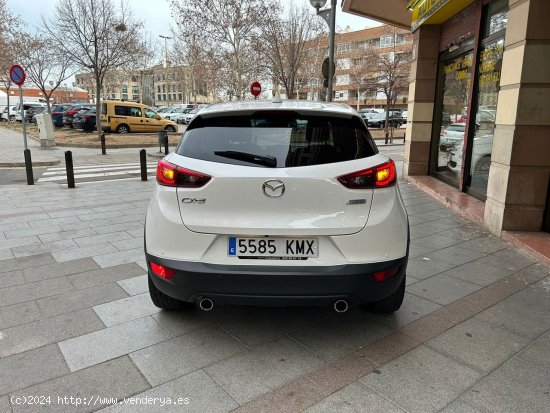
{"type": "Point", "coordinates": [8, 101]}
{"type": "Point", "coordinates": [98, 107]}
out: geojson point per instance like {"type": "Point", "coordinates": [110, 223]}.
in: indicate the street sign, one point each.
{"type": "Point", "coordinates": [324, 68]}
{"type": "Point", "coordinates": [17, 75]}
{"type": "Point", "coordinates": [255, 88]}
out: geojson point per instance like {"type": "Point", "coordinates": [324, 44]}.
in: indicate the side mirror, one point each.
{"type": "Point", "coordinates": [157, 117]}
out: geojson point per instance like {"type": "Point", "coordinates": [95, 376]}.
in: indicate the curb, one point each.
{"type": "Point", "coordinates": [22, 164]}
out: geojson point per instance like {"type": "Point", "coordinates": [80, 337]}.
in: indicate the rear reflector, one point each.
{"type": "Point", "coordinates": [162, 271]}
{"type": "Point", "coordinates": [380, 176]}
{"type": "Point", "coordinates": [385, 274]}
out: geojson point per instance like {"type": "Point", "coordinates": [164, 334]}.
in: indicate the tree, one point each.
{"type": "Point", "coordinates": [44, 64]}
{"type": "Point", "coordinates": [97, 37]}
{"type": "Point", "coordinates": [234, 27]}
{"type": "Point", "coordinates": [9, 30]}
{"type": "Point", "coordinates": [286, 45]}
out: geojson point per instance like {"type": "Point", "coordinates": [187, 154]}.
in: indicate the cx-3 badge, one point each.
{"type": "Point", "coordinates": [273, 188]}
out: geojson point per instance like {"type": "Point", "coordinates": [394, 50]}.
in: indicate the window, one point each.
{"type": "Point", "coordinates": [124, 96]}
{"type": "Point", "coordinates": [163, 88]}
{"type": "Point", "coordinates": [163, 96]}
{"type": "Point", "coordinates": [149, 113]}
{"type": "Point", "coordinates": [124, 89]}
{"type": "Point", "coordinates": [387, 40]}
{"type": "Point", "coordinates": [180, 96]}
{"type": "Point", "coordinates": [158, 89]}
{"type": "Point", "coordinates": [135, 90]}
{"type": "Point", "coordinates": [159, 96]}
{"type": "Point", "coordinates": [342, 80]}
{"type": "Point", "coordinates": [343, 48]}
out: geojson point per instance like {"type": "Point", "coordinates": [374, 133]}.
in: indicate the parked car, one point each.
{"type": "Point", "coordinates": [190, 115]}
{"type": "Point", "coordinates": [125, 117]}
{"type": "Point", "coordinates": [57, 115]}
{"type": "Point", "coordinates": [11, 115]}
{"type": "Point", "coordinates": [86, 120]}
{"type": "Point", "coordinates": [26, 108]}
{"type": "Point", "coordinates": [175, 113]}
{"type": "Point", "coordinates": [378, 120]}
{"type": "Point", "coordinates": [277, 204]}
{"type": "Point", "coordinates": [68, 115]}
{"type": "Point", "coordinates": [452, 136]}
{"type": "Point", "coordinates": [30, 114]}
{"type": "Point", "coordinates": [180, 117]}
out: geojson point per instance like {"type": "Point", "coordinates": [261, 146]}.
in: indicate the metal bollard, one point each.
{"type": "Point", "coordinates": [143, 163]}
{"type": "Point", "coordinates": [386, 140]}
{"type": "Point", "coordinates": [103, 149]}
{"type": "Point", "coordinates": [69, 168]}
{"type": "Point", "coordinates": [28, 167]}
{"type": "Point", "coordinates": [166, 144]}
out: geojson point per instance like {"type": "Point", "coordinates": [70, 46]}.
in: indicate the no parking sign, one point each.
{"type": "Point", "coordinates": [17, 75]}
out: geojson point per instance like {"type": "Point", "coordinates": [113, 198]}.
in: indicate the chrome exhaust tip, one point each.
{"type": "Point", "coordinates": [206, 304]}
{"type": "Point", "coordinates": [341, 306]}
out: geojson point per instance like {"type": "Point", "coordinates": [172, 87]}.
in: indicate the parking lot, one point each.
{"type": "Point", "coordinates": [76, 320]}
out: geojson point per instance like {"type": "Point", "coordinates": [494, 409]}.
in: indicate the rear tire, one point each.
{"type": "Point", "coordinates": [389, 304]}
{"type": "Point", "coordinates": [164, 301]}
{"type": "Point", "coordinates": [170, 128]}
{"type": "Point", "coordinates": [122, 129]}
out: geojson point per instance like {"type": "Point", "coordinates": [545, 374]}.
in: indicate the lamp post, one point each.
{"type": "Point", "coordinates": [329, 16]}
{"type": "Point", "coordinates": [166, 38]}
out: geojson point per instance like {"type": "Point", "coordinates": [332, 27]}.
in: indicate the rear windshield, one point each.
{"type": "Point", "coordinates": [277, 140]}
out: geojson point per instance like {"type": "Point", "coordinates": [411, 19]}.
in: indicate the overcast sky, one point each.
{"type": "Point", "coordinates": [157, 18]}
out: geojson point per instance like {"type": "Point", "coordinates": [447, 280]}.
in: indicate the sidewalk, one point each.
{"type": "Point", "coordinates": [76, 320]}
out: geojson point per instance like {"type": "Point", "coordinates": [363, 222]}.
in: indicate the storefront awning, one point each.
{"type": "Point", "coordinates": [407, 14]}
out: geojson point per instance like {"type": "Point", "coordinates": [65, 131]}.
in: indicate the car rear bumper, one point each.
{"type": "Point", "coordinates": [277, 285]}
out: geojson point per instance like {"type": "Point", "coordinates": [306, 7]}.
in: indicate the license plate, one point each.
{"type": "Point", "coordinates": [273, 248]}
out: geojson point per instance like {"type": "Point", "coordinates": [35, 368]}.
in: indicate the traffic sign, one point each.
{"type": "Point", "coordinates": [324, 68]}
{"type": "Point", "coordinates": [17, 75]}
{"type": "Point", "coordinates": [255, 88]}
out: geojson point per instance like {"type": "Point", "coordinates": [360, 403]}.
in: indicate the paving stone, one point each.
{"type": "Point", "coordinates": [42, 248]}
{"type": "Point", "coordinates": [508, 259]}
{"type": "Point", "coordinates": [337, 334]}
{"type": "Point", "coordinates": [76, 253]}
{"type": "Point", "coordinates": [463, 233]}
{"type": "Point", "coordinates": [6, 254]}
{"type": "Point", "coordinates": [248, 375]}
{"type": "Point", "coordinates": [112, 342]}
{"type": "Point", "coordinates": [17, 314]}
{"type": "Point", "coordinates": [419, 231]}
{"type": "Point", "coordinates": [486, 245]}
{"type": "Point", "coordinates": [79, 299]}
{"type": "Point", "coordinates": [478, 344]}
{"type": "Point", "coordinates": [459, 406]}
{"type": "Point", "coordinates": [105, 229]}
{"type": "Point", "coordinates": [128, 218]}
{"type": "Point", "coordinates": [478, 273]}
{"type": "Point", "coordinates": [203, 394]}
{"type": "Point", "coordinates": [250, 327]}
{"type": "Point", "coordinates": [442, 289]}
{"type": "Point", "coordinates": [422, 380]}
{"type": "Point", "coordinates": [47, 331]}
{"type": "Point", "coordinates": [137, 233]}
{"type": "Point", "coordinates": [182, 322]}
{"type": "Point", "coordinates": [355, 397]}
{"type": "Point", "coordinates": [538, 352]}
{"type": "Point", "coordinates": [33, 291]}
{"type": "Point", "coordinates": [70, 212]}
{"type": "Point", "coordinates": [423, 267]}
{"type": "Point", "coordinates": [32, 231]}
{"type": "Point", "coordinates": [105, 275]}
{"type": "Point", "coordinates": [85, 224]}
{"type": "Point", "coordinates": [100, 215]}
{"type": "Point", "coordinates": [59, 269]}
{"type": "Point", "coordinates": [53, 221]}
{"type": "Point", "coordinates": [12, 226]}
{"type": "Point", "coordinates": [455, 255]}
{"type": "Point", "coordinates": [26, 369]}
{"type": "Point", "coordinates": [61, 235]}
{"type": "Point", "coordinates": [5, 405]}
{"type": "Point", "coordinates": [126, 309]}
{"type": "Point", "coordinates": [417, 251]}
{"type": "Point", "coordinates": [421, 208]}
{"type": "Point", "coordinates": [436, 242]}
{"type": "Point", "coordinates": [525, 313]}
{"type": "Point", "coordinates": [413, 308]}
{"type": "Point", "coordinates": [129, 244]}
{"type": "Point", "coordinates": [96, 386]}
{"type": "Point", "coordinates": [135, 285]}
{"type": "Point", "coordinates": [166, 361]}
{"type": "Point", "coordinates": [18, 242]}
{"type": "Point", "coordinates": [102, 238]}
{"type": "Point", "coordinates": [517, 386]}
{"type": "Point", "coordinates": [8, 279]}
{"type": "Point", "coordinates": [122, 257]}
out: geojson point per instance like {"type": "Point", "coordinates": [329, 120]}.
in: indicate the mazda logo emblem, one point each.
{"type": "Point", "coordinates": [273, 188]}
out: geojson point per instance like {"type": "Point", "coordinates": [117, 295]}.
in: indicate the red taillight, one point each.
{"type": "Point", "coordinates": [171, 175]}
{"type": "Point", "coordinates": [162, 271]}
{"type": "Point", "coordinates": [380, 276]}
{"type": "Point", "coordinates": [380, 176]}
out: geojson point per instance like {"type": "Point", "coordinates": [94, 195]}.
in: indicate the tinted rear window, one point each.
{"type": "Point", "coordinates": [285, 140]}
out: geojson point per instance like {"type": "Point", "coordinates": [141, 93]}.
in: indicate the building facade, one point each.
{"type": "Point", "coordinates": [479, 112]}
{"type": "Point", "coordinates": [63, 94]}
{"type": "Point", "coordinates": [358, 81]}
{"type": "Point", "coordinates": [156, 86]}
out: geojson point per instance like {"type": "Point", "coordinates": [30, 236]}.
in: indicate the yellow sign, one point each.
{"type": "Point", "coordinates": [434, 11]}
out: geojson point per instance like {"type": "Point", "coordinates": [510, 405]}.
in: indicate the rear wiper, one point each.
{"type": "Point", "coordinates": [269, 161]}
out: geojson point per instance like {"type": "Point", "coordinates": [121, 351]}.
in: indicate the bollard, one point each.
{"type": "Point", "coordinates": [28, 167]}
{"type": "Point", "coordinates": [166, 143]}
{"type": "Point", "coordinates": [386, 140]}
{"type": "Point", "coordinates": [69, 167]}
{"type": "Point", "coordinates": [163, 140]}
{"type": "Point", "coordinates": [143, 163]}
{"type": "Point", "coordinates": [103, 149]}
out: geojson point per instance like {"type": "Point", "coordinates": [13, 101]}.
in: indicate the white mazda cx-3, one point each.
{"type": "Point", "coordinates": [277, 203]}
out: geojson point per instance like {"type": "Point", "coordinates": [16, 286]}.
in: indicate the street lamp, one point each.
{"type": "Point", "coordinates": [166, 38]}
{"type": "Point", "coordinates": [328, 15]}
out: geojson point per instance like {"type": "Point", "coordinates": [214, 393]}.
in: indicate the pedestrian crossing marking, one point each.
{"type": "Point", "coordinates": [98, 172]}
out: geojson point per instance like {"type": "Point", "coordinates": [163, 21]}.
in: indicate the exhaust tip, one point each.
{"type": "Point", "coordinates": [341, 306]}
{"type": "Point", "coordinates": [206, 304]}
